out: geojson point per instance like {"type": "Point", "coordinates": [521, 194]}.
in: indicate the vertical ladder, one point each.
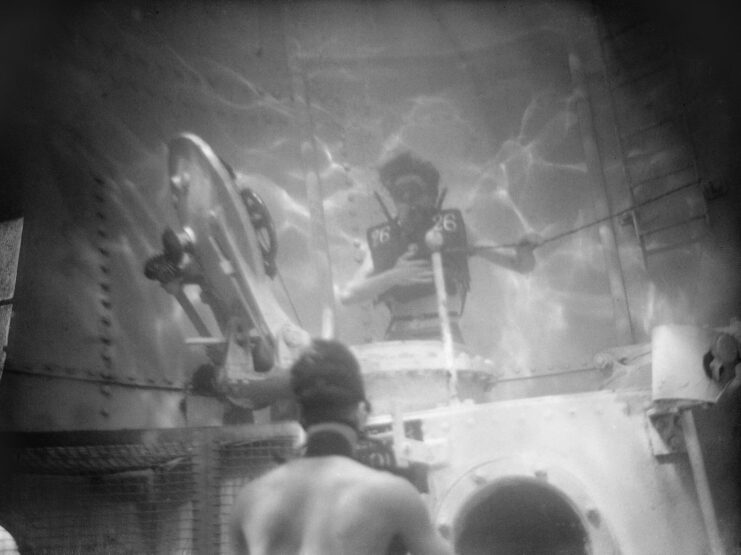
{"type": "Point", "coordinates": [10, 248]}
{"type": "Point", "coordinates": [659, 159]}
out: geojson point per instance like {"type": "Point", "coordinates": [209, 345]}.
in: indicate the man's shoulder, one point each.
{"type": "Point", "coordinates": [356, 471]}
{"type": "Point", "coordinates": [383, 481]}
{"type": "Point", "coordinates": [348, 469]}
{"type": "Point", "coordinates": [267, 480]}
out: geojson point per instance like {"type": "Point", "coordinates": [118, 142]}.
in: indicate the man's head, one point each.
{"type": "Point", "coordinates": [409, 178]}
{"type": "Point", "coordinates": [328, 386]}
{"type": "Point", "coordinates": [413, 185]}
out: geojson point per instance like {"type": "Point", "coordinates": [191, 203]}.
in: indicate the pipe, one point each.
{"type": "Point", "coordinates": [702, 486]}
{"type": "Point", "coordinates": [319, 241]}
{"type": "Point", "coordinates": [434, 240]}
{"type": "Point", "coordinates": [601, 205]}
{"type": "Point", "coordinates": [11, 232]}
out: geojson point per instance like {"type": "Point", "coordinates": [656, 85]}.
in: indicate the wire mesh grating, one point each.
{"type": "Point", "coordinates": [105, 494]}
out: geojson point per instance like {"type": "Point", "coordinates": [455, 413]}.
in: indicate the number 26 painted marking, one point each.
{"type": "Point", "coordinates": [446, 222]}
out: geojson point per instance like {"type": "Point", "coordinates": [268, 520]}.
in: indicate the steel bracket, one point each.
{"type": "Point", "coordinates": [432, 452]}
{"type": "Point", "coordinates": [665, 433]}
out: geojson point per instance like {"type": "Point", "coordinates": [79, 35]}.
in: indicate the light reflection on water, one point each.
{"type": "Point", "coordinates": [490, 103]}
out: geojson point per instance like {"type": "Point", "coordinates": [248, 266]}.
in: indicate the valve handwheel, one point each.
{"type": "Point", "coordinates": [264, 229]}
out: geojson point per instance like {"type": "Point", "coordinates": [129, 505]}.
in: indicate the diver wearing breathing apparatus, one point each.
{"type": "Point", "coordinates": [326, 502]}
{"type": "Point", "coordinates": [396, 269]}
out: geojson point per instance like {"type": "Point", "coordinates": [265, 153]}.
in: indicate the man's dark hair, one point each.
{"type": "Point", "coordinates": [327, 383]}
{"type": "Point", "coordinates": [406, 163]}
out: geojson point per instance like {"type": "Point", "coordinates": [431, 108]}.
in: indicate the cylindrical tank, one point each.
{"type": "Point", "coordinates": [573, 474]}
{"type": "Point", "coordinates": [92, 344]}
{"type": "Point", "coordinates": [412, 375]}
{"type": "Point", "coordinates": [677, 361]}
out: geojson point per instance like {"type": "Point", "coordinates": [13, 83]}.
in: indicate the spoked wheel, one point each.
{"type": "Point", "coordinates": [264, 229]}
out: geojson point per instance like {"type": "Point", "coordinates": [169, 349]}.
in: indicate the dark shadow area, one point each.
{"type": "Point", "coordinates": [522, 517]}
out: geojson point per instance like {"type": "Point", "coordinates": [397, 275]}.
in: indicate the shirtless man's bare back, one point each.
{"type": "Point", "coordinates": [326, 503]}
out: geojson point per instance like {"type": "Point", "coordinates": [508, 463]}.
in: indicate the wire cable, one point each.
{"type": "Point", "coordinates": [288, 296]}
{"type": "Point", "coordinates": [582, 227]}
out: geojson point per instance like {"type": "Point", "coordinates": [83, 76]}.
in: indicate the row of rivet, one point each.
{"type": "Point", "coordinates": [105, 54]}
{"type": "Point", "coordinates": [125, 69]}
{"type": "Point", "coordinates": [480, 479]}
{"type": "Point", "coordinates": [106, 306]}
{"type": "Point", "coordinates": [623, 408]}
{"type": "Point", "coordinates": [89, 375]}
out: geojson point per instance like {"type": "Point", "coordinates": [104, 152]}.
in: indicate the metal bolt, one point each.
{"type": "Point", "coordinates": [660, 424]}
{"type": "Point", "coordinates": [675, 442]}
{"type": "Point", "coordinates": [179, 180]}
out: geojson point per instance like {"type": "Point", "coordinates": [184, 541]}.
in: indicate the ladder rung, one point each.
{"type": "Point", "coordinates": [642, 129]}
{"type": "Point", "coordinates": [205, 341]}
{"type": "Point", "coordinates": [623, 60]}
{"type": "Point", "coordinates": [640, 202]}
{"type": "Point", "coordinates": [615, 34]}
{"type": "Point", "coordinates": [643, 155]}
{"type": "Point", "coordinates": [641, 76]}
{"type": "Point", "coordinates": [650, 252]}
{"type": "Point", "coordinates": [654, 179]}
{"type": "Point", "coordinates": [643, 168]}
{"type": "Point", "coordinates": [643, 233]}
